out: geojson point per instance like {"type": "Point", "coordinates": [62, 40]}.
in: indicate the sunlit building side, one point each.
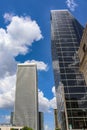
{"type": "Point", "coordinates": [82, 52]}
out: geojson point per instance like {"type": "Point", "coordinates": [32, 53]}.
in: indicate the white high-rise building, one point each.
{"type": "Point", "coordinates": [26, 100]}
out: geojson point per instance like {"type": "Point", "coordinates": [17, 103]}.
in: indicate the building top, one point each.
{"type": "Point", "coordinates": [27, 64]}
{"type": "Point", "coordinates": [60, 10]}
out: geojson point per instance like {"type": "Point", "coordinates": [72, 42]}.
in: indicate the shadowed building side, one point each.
{"type": "Point", "coordinates": [41, 121]}
{"type": "Point", "coordinates": [56, 118]}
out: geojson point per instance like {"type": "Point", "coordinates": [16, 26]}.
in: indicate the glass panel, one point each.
{"type": "Point", "coordinates": [77, 113]}
{"type": "Point", "coordinates": [63, 76]}
{"type": "Point", "coordinates": [77, 89]}
{"type": "Point", "coordinates": [72, 82]}
{"type": "Point", "coordinates": [76, 104]}
{"type": "Point", "coordinates": [75, 96]}
{"type": "Point", "coordinates": [62, 70]}
{"type": "Point", "coordinates": [71, 76]}
{"type": "Point", "coordinates": [68, 49]}
{"type": "Point", "coordinates": [78, 123]}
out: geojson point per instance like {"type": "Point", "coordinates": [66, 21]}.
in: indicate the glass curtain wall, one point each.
{"type": "Point", "coordinates": [71, 90]}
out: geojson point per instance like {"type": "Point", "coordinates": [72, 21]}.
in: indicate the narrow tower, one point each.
{"type": "Point", "coordinates": [56, 118]}
{"type": "Point", "coordinates": [26, 100]}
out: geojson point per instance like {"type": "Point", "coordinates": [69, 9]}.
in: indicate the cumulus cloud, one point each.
{"type": "Point", "coordinates": [45, 105]}
{"type": "Point", "coordinates": [8, 16]}
{"type": "Point", "coordinates": [40, 64]}
{"type": "Point", "coordinates": [19, 34]}
{"type": "Point", "coordinates": [53, 103]}
{"type": "Point", "coordinates": [7, 91]}
{"type": "Point", "coordinates": [7, 64]}
{"type": "Point", "coordinates": [71, 4]}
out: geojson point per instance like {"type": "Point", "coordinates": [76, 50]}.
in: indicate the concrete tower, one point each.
{"type": "Point", "coordinates": [26, 100]}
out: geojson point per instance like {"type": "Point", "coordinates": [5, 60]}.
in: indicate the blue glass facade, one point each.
{"type": "Point", "coordinates": [71, 90]}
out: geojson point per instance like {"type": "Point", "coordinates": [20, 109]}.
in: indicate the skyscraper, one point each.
{"type": "Point", "coordinates": [71, 90]}
{"type": "Point", "coordinates": [26, 100]}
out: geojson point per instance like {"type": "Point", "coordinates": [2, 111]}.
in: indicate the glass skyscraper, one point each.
{"type": "Point", "coordinates": [71, 90]}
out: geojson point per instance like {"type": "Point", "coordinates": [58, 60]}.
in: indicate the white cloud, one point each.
{"type": "Point", "coordinates": [7, 63]}
{"type": "Point", "coordinates": [71, 4]}
{"type": "Point", "coordinates": [7, 91]}
{"type": "Point", "coordinates": [53, 103]}
{"type": "Point", "coordinates": [19, 34]}
{"type": "Point", "coordinates": [5, 118]}
{"type": "Point", "coordinates": [40, 65]}
{"type": "Point", "coordinates": [47, 127]}
{"type": "Point", "coordinates": [53, 90]}
{"type": "Point", "coordinates": [8, 16]}
{"type": "Point", "coordinates": [45, 105]}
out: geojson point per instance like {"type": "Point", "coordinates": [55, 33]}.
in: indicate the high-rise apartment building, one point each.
{"type": "Point", "coordinates": [26, 100]}
{"type": "Point", "coordinates": [71, 90]}
{"type": "Point", "coordinates": [82, 53]}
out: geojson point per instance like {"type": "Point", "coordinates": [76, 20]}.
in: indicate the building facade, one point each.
{"type": "Point", "coordinates": [41, 121]}
{"type": "Point", "coordinates": [82, 53]}
{"type": "Point", "coordinates": [71, 90]}
{"type": "Point", "coordinates": [56, 118]}
{"type": "Point", "coordinates": [26, 98]}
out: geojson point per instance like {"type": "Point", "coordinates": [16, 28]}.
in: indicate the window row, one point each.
{"type": "Point", "coordinates": [78, 123]}
{"type": "Point", "coordinates": [76, 104]}
{"type": "Point", "coordinates": [73, 82]}
{"type": "Point", "coordinates": [71, 76]}
{"type": "Point", "coordinates": [65, 53]}
{"type": "Point", "coordinates": [76, 96]}
{"type": "Point", "coordinates": [77, 113]}
{"type": "Point", "coordinates": [82, 89]}
{"type": "Point", "coordinates": [70, 64]}
{"type": "Point", "coordinates": [67, 49]}
{"type": "Point", "coordinates": [62, 40]}
{"type": "Point", "coordinates": [65, 59]}
{"type": "Point", "coordinates": [58, 44]}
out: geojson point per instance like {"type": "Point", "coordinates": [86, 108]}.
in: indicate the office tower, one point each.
{"type": "Point", "coordinates": [71, 90]}
{"type": "Point", "coordinates": [41, 121]}
{"type": "Point", "coordinates": [82, 52]}
{"type": "Point", "coordinates": [26, 100]}
{"type": "Point", "coordinates": [56, 118]}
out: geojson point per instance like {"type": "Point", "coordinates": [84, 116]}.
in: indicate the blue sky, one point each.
{"type": "Point", "coordinates": [25, 37]}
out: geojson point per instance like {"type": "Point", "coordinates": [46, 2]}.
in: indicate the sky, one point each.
{"type": "Point", "coordinates": [25, 36]}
